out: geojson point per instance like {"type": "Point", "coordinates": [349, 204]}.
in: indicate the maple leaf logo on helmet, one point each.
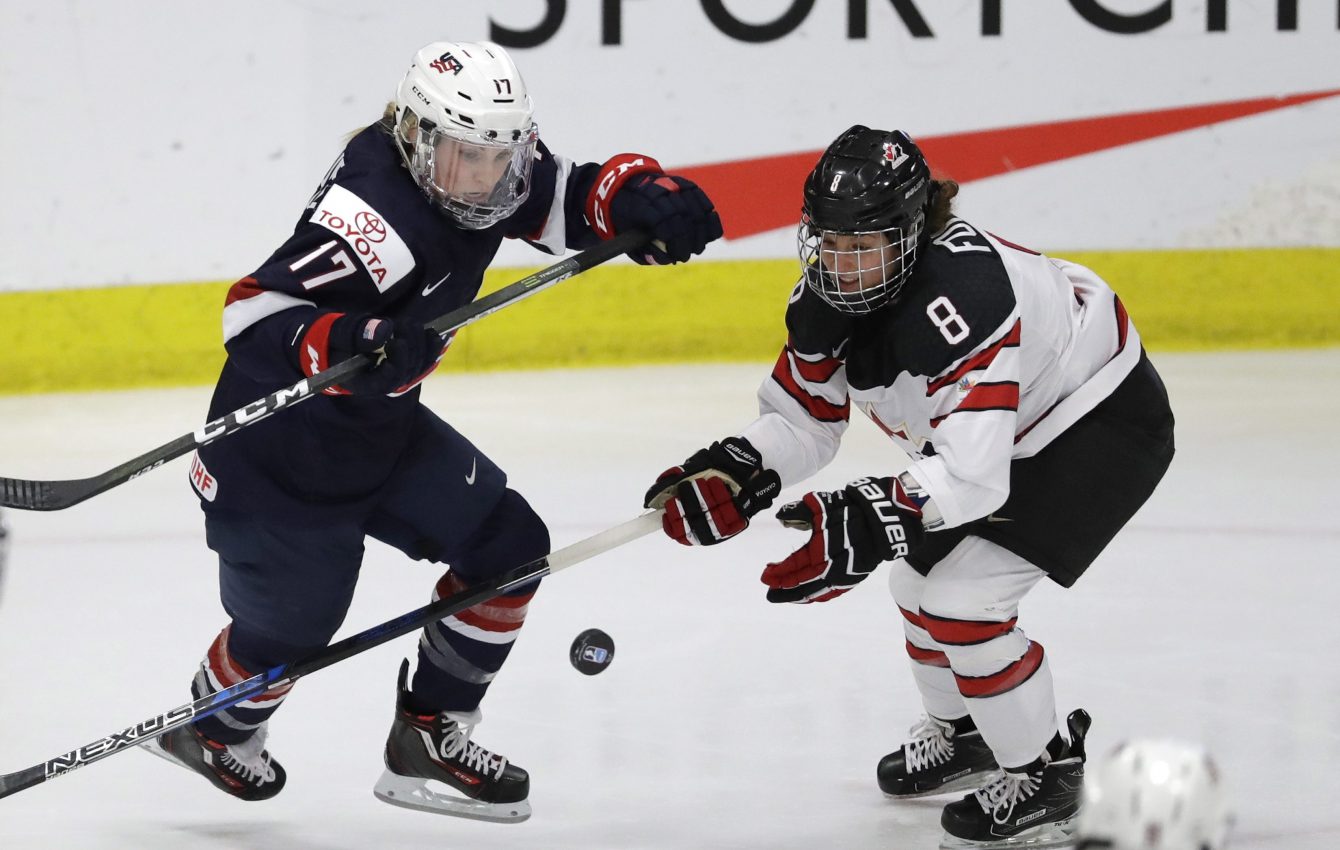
{"type": "Point", "coordinates": [893, 155]}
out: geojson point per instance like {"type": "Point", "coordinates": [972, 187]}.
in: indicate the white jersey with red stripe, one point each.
{"type": "Point", "coordinates": [990, 352]}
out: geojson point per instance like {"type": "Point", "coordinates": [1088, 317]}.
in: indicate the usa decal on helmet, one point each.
{"type": "Point", "coordinates": [446, 62]}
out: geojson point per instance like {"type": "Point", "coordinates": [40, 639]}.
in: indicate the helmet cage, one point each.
{"type": "Point", "coordinates": [453, 167]}
{"type": "Point", "coordinates": [861, 278]}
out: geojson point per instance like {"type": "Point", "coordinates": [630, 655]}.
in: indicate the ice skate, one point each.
{"type": "Point", "coordinates": [938, 760]}
{"type": "Point", "coordinates": [246, 770]}
{"type": "Point", "coordinates": [433, 766]}
{"type": "Point", "coordinates": [1033, 808]}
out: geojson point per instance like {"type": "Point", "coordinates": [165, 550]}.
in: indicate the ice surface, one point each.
{"type": "Point", "coordinates": [723, 722]}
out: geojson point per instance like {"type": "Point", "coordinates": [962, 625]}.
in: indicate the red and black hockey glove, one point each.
{"type": "Point", "coordinates": [631, 192]}
{"type": "Point", "coordinates": [712, 495]}
{"type": "Point", "coordinates": [405, 356]}
{"type": "Point", "coordinates": [852, 531]}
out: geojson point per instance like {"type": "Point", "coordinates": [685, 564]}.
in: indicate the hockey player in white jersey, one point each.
{"type": "Point", "coordinates": [1036, 427]}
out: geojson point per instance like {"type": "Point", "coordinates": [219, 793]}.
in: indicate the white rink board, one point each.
{"type": "Point", "coordinates": [148, 142]}
{"type": "Point", "coordinates": [723, 722]}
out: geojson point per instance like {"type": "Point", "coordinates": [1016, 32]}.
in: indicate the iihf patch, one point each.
{"type": "Point", "coordinates": [592, 651]}
{"type": "Point", "coordinates": [204, 483]}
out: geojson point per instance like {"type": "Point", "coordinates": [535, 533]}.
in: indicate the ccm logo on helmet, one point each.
{"type": "Point", "coordinates": [887, 514]}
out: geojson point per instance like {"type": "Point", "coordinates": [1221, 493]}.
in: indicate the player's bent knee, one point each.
{"type": "Point", "coordinates": [259, 648]}
{"type": "Point", "coordinates": [989, 658]}
{"type": "Point", "coordinates": [512, 536]}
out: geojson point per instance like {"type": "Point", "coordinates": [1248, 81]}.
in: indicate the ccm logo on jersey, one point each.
{"type": "Point", "coordinates": [887, 513]}
{"type": "Point", "coordinates": [378, 247]}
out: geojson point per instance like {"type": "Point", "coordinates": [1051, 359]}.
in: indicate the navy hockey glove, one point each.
{"type": "Point", "coordinates": [404, 356]}
{"type": "Point", "coordinates": [632, 192]}
{"type": "Point", "coordinates": [711, 497]}
{"type": "Point", "coordinates": [852, 531]}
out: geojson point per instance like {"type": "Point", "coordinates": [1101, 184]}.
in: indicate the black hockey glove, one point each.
{"type": "Point", "coordinates": [852, 531]}
{"type": "Point", "coordinates": [405, 355]}
{"type": "Point", "coordinates": [712, 495]}
{"type": "Point", "coordinates": [673, 210]}
{"type": "Point", "coordinates": [631, 192]}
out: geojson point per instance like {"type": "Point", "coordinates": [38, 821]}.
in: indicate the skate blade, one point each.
{"type": "Point", "coordinates": [971, 782]}
{"type": "Point", "coordinates": [410, 792]}
{"type": "Point", "coordinates": [1060, 834]}
{"type": "Point", "coordinates": [152, 746]}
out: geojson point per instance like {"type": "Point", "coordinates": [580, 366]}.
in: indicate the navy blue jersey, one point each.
{"type": "Point", "coordinates": [369, 242]}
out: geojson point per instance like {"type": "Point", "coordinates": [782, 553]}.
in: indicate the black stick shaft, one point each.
{"type": "Point", "coordinates": [58, 495]}
{"type": "Point", "coordinates": [12, 783]}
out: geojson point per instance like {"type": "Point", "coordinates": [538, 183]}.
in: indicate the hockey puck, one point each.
{"type": "Point", "coordinates": [592, 651]}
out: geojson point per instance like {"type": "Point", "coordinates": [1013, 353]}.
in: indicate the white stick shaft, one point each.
{"type": "Point", "coordinates": [604, 541]}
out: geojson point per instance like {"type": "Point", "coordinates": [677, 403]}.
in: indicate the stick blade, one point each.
{"type": "Point", "coordinates": [12, 783]}
{"type": "Point", "coordinates": [26, 495]}
{"type": "Point", "coordinates": [44, 495]}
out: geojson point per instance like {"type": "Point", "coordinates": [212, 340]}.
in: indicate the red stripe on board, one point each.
{"type": "Point", "coordinates": [981, 361]}
{"type": "Point", "coordinates": [965, 632]}
{"type": "Point", "coordinates": [929, 657]}
{"type": "Point", "coordinates": [1006, 680]}
{"type": "Point", "coordinates": [764, 193]}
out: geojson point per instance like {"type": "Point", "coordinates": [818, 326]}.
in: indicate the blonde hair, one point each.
{"type": "Point", "coordinates": [386, 122]}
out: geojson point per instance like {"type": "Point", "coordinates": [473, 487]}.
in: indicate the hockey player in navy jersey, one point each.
{"type": "Point", "coordinates": [1036, 426]}
{"type": "Point", "coordinates": [399, 233]}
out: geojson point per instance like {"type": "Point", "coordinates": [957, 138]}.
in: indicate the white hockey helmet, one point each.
{"type": "Point", "coordinates": [463, 124]}
{"type": "Point", "coordinates": [1155, 795]}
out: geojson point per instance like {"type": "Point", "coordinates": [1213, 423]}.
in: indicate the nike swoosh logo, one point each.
{"type": "Point", "coordinates": [427, 290]}
{"type": "Point", "coordinates": [757, 195]}
{"type": "Point", "coordinates": [470, 479]}
{"type": "Point", "coordinates": [994, 518]}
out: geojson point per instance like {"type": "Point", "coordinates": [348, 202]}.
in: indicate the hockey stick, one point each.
{"type": "Point", "coordinates": [58, 495]}
{"type": "Point", "coordinates": [596, 544]}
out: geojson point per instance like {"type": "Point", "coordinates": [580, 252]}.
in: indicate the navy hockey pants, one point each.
{"type": "Point", "coordinates": [287, 588]}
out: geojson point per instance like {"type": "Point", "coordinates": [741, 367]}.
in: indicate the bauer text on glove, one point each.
{"type": "Point", "coordinates": [852, 531]}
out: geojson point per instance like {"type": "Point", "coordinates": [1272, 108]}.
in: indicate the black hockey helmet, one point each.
{"type": "Point", "coordinates": [867, 183]}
